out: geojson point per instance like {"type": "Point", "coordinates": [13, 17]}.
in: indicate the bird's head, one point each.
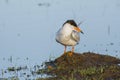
{"type": "Point", "coordinates": [74, 26]}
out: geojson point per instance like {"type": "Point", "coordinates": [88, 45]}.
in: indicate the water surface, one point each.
{"type": "Point", "coordinates": [28, 28]}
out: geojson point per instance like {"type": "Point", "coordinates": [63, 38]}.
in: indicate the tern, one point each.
{"type": "Point", "coordinates": [69, 35]}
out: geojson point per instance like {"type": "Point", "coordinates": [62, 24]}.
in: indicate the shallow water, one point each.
{"type": "Point", "coordinates": [28, 28]}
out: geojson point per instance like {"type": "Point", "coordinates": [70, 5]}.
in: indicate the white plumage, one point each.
{"type": "Point", "coordinates": [68, 34]}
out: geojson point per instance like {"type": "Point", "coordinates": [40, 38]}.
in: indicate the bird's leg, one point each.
{"type": "Point", "coordinates": [72, 49]}
{"type": "Point", "coordinates": [65, 49]}
{"type": "Point", "coordinates": [71, 53]}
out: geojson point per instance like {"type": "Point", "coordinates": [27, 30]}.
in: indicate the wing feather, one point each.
{"type": "Point", "coordinates": [75, 36]}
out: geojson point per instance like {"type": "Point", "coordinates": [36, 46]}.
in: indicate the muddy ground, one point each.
{"type": "Point", "coordinates": [82, 66]}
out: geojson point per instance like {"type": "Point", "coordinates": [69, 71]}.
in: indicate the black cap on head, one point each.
{"type": "Point", "coordinates": [72, 22]}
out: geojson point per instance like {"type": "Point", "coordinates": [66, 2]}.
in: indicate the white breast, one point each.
{"type": "Point", "coordinates": [64, 37]}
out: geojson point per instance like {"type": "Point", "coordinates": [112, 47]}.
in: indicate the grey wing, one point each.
{"type": "Point", "coordinates": [75, 36]}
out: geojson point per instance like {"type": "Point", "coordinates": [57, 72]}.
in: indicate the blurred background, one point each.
{"type": "Point", "coordinates": [28, 28]}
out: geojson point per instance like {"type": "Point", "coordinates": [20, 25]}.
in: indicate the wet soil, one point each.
{"type": "Point", "coordinates": [82, 66]}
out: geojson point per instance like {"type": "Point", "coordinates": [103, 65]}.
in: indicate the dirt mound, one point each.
{"type": "Point", "coordinates": [86, 59]}
{"type": "Point", "coordinates": [85, 66]}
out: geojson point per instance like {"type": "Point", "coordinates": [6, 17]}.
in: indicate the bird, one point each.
{"type": "Point", "coordinates": [69, 35]}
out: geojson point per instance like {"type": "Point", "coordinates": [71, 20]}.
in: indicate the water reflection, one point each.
{"type": "Point", "coordinates": [23, 72]}
{"type": "Point", "coordinates": [18, 72]}
{"type": "Point", "coordinates": [44, 4]}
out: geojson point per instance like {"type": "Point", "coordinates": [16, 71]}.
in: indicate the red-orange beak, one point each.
{"type": "Point", "coordinates": [78, 29]}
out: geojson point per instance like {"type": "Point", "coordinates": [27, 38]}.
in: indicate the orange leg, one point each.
{"type": "Point", "coordinates": [71, 53]}
{"type": "Point", "coordinates": [72, 49]}
{"type": "Point", "coordinates": [65, 49]}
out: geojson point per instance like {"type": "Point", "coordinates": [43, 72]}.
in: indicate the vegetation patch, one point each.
{"type": "Point", "coordinates": [82, 66]}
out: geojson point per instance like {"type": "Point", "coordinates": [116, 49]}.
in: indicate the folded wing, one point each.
{"type": "Point", "coordinates": [75, 36]}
